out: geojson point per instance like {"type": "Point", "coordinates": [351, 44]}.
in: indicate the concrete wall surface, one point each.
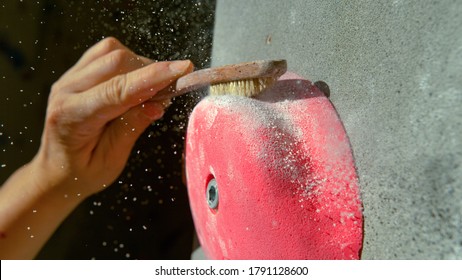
{"type": "Point", "coordinates": [394, 69]}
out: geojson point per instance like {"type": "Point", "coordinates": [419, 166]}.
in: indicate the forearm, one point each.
{"type": "Point", "coordinates": [96, 111]}
{"type": "Point", "coordinates": [28, 214]}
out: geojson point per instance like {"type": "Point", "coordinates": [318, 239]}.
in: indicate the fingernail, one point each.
{"type": "Point", "coordinates": [153, 110]}
{"type": "Point", "coordinates": [179, 66]}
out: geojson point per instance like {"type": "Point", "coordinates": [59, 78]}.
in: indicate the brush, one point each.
{"type": "Point", "coordinates": [244, 79]}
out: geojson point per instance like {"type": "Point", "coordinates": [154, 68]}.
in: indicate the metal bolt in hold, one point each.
{"type": "Point", "coordinates": [212, 194]}
{"type": "Point", "coordinates": [323, 87]}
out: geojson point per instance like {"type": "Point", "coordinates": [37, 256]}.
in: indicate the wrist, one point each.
{"type": "Point", "coordinates": [52, 182]}
{"type": "Point", "coordinates": [32, 206]}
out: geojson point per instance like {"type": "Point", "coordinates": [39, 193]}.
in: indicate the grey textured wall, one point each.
{"type": "Point", "coordinates": [394, 69]}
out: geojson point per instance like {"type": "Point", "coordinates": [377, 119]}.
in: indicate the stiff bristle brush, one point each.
{"type": "Point", "coordinates": [244, 79]}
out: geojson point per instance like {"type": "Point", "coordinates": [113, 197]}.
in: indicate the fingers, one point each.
{"type": "Point", "coordinates": [114, 97]}
{"type": "Point", "coordinates": [103, 61]}
{"type": "Point", "coordinates": [117, 62]}
{"type": "Point", "coordinates": [122, 133]}
{"type": "Point", "coordinates": [100, 49]}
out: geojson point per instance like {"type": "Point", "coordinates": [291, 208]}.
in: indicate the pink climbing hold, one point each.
{"type": "Point", "coordinates": [273, 177]}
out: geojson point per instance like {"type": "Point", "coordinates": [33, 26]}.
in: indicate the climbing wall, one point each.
{"type": "Point", "coordinates": [394, 73]}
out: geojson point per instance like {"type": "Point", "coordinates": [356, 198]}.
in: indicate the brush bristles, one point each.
{"type": "Point", "coordinates": [247, 88]}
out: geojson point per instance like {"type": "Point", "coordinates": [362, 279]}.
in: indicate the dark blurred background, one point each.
{"type": "Point", "coordinates": [145, 214]}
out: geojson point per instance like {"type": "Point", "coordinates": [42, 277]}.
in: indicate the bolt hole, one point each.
{"type": "Point", "coordinates": [212, 194]}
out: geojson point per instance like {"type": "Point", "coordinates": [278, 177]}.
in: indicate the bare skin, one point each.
{"type": "Point", "coordinates": [96, 111]}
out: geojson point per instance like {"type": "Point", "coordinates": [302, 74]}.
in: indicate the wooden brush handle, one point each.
{"type": "Point", "coordinates": [223, 74]}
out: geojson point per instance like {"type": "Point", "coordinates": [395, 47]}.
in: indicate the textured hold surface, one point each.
{"type": "Point", "coordinates": [285, 174]}
{"type": "Point", "coordinates": [394, 72]}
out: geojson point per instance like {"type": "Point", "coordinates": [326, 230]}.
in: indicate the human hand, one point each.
{"type": "Point", "coordinates": [95, 113]}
